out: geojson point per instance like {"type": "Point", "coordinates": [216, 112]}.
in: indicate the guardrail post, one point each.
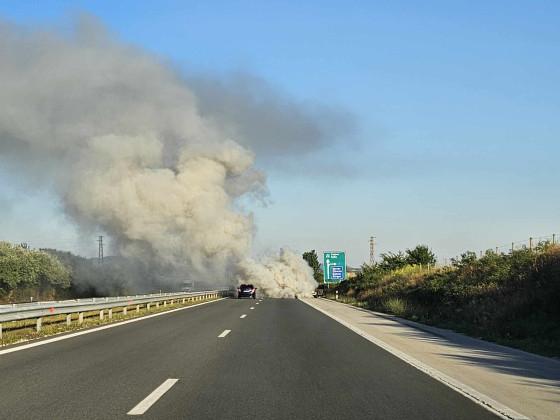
{"type": "Point", "coordinates": [148, 306]}
{"type": "Point", "coordinates": [157, 304]}
{"type": "Point", "coordinates": [68, 319]}
{"type": "Point", "coordinates": [171, 302]}
{"type": "Point", "coordinates": [110, 313]}
{"type": "Point", "coordinates": [164, 303]}
{"type": "Point", "coordinates": [124, 310]}
{"type": "Point", "coordinates": [80, 317]}
{"type": "Point", "coordinates": [183, 300]}
{"type": "Point", "coordinates": [101, 314]}
{"type": "Point", "coordinates": [39, 324]}
{"type": "Point", "coordinates": [137, 308]}
{"type": "Point", "coordinates": [0, 331]}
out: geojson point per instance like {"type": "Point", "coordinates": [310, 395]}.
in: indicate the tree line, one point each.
{"type": "Point", "coordinates": [421, 255]}
{"type": "Point", "coordinates": [26, 272]}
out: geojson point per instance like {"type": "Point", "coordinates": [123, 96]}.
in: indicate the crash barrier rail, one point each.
{"type": "Point", "coordinates": [39, 310]}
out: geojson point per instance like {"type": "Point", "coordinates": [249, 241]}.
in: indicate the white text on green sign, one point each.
{"type": "Point", "coordinates": [334, 266]}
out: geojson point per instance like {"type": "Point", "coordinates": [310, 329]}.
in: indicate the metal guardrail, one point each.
{"type": "Point", "coordinates": [38, 310]}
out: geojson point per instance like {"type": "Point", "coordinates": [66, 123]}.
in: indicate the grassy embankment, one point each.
{"type": "Point", "coordinates": [512, 299]}
{"type": "Point", "coordinates": [17, 331]}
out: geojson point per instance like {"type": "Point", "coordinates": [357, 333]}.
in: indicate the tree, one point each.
{"type": "Point", "coordinates": [390, 261]}
{"type": "Point", "coordinates": [23, 268]}
{"type": "Point", "coordinates": [421, 255]}
{"type": "Point", "coordinates": [313, 261]}
{"type": "Point", "coordinates": [467, 258]}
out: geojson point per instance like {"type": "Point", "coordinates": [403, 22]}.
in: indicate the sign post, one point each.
{"type": "Point", "coordinates": [334, 266]}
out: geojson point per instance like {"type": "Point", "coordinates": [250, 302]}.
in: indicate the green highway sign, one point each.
{"type": "Point", "coordinates": [334, 266]}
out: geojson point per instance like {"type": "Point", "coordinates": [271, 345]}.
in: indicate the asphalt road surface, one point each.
{"type": "Point", "coordinates": [283, 360]}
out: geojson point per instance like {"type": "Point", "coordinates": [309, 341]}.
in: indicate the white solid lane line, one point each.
{"type": "Point", "coordinates": [226, 332]}
{"type": "Point", "coordinates": [150, 400]}
{"type": "Point", "coordinates": [243, 316]}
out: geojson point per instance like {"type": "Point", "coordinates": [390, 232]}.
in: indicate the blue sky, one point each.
{"type": "Point", "coordinates": [456, 107]}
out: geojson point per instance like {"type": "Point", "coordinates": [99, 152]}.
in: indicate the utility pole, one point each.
{"type": "Point", "coordinates": [371, 252]}
{"type": "Point", "coordinates": [100, 257]}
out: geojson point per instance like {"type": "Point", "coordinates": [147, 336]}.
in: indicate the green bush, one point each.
{"type": "Point", "coordinates": [25, 269]}
{"type": "Point", "coordinates": [512, 299]}
{"type": "Point", "coordinates": [396, 307]}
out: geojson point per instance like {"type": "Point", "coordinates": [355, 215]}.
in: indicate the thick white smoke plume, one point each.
{"type": "Point", "coordinates": [119, 138]}
{"type": "Point", "coordinates": [283, 275]}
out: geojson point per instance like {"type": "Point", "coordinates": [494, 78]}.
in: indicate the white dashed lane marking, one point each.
{"type": "Point", "coordinates": [243, 316]}
{"type": "Point", "coordinates": [226, 332]}
{"type": "Point", "coordinates": [151, 399]}
{"type": "Point", "coordinates": [252, 307]}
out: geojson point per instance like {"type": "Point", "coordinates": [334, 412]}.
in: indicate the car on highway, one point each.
{"type": "Point", "coordinates": [246, 290]}
{"type": "Point", "coordinates": [319, 291]}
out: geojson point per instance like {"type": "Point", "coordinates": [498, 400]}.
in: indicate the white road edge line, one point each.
{"type": "Point", "coordinates": [226, 332]}
{"type": "Point", "coordinates": [243, 316]}
{"type": "Point", "coordinates": [151, 399]}
{"type": "Point", "coordinates": [491, 405]}
{"type": "Point", "coordinates": [92, 330]}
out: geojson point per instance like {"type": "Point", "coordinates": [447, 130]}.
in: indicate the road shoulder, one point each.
{"type": "Point", "coordinates": [525, 383]}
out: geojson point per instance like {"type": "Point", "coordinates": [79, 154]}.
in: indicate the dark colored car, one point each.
{"type": "Point", "coordinates": [246, 290]}
{"type": "Point", "coordinates": [319, 291]}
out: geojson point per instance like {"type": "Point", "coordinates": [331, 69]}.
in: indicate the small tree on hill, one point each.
{"type": "Point", "coordinates": [421, 255]}
{"type": "Point", "coordinates": [390, 261]}
{"type": "Point", "coordinates": [467, 258]}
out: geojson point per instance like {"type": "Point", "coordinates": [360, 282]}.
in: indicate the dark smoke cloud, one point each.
{"type": "Point", "coordinates": [271, 124]}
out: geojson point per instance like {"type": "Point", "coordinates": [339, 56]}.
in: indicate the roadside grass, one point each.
{"type": "Point", "coordinates": [25, 330]}
{"type": "Point", "coordinates": [511, 300]}
{"type": "Point", "coordinates": [350, 300]}
{"type": "Point", "coordinates": [396, 307]}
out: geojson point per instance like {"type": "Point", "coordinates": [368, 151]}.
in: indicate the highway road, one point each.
{"type": "Point", "coordinates": [235, 359]}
